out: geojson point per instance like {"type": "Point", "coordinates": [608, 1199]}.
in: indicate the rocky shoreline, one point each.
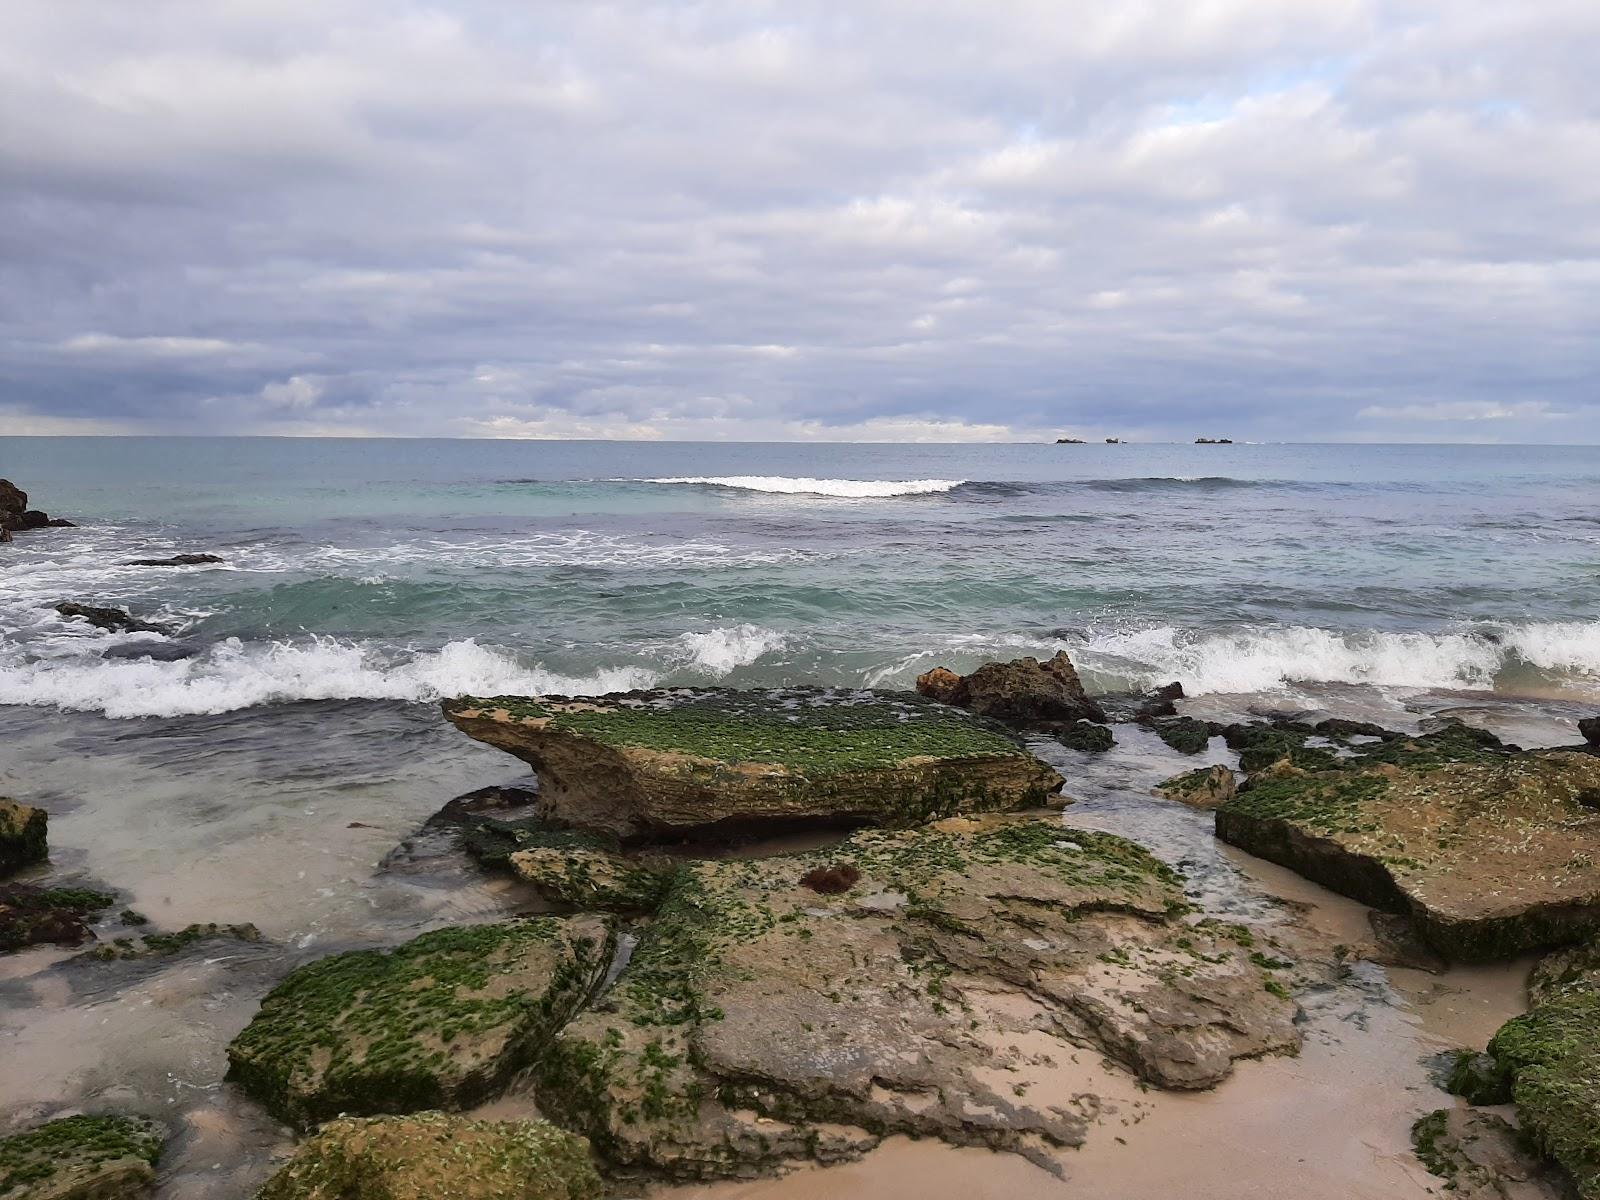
{"type": "Point", "coordinates": [687, 1011]}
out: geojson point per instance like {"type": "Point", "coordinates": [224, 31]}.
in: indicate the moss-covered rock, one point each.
{"type": "Point", "coordinates": [647, 763]}
{"type": "Point", "coordinates": [1488, 850]}
{"type": "Point", "coordinates": [760, 1018]}
{"type": "Point", "coordinates": [81, 1158]}
{"type": "Point", "coordinates": [1481, 1157]}
{"type": "Point", "coordinates": [434, 1156]}
{"type": "Point", "coordinates": [32, 915]}
{"type": "Point", "coordinates": [592, 879]}
{"type": "Point", "coordinates": [157, 945]}
{"type": "Point", "coordinates": [22, 836]}
{"type": "Point", "coordinates": [1184, 734]}
{"type": "Point", "coordinates": [1088, 737]}
{"type": "Point", "coordinates": [1205, 787]}
{"type": "Point", "coordinates": [439, 1022]}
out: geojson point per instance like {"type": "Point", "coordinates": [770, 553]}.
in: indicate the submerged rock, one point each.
{"type": "Point", "coordinates": [157, 945]}
{"type": "Point", "coordinates": [1088, 737]}
{"type": "Point", "coordinates": [23, 839]}
{"type": "Point", "coordinates": [1482, 1157]}
{"type": "Point", "coordinates": [652, 763]}
{"type": "Point", "coordinates": [113, 619]}
{"type": "Point", "coordinates": [81, 1158]}
{"type": "Point", "coordinates": [440, 1022]}
{"type": "Point", "coordinates": [762, 1019]}
{"type": "Point", "coordinates": [177, 560]}
{"type": "Point", "coordinates": [1186, 735]}
{"type": "Point", "coordinates": [33, 916]}
{"type": "Point", "coordinates": [1024, 691]}
{"type": "Point", "coordinates": [1490, 851]}
{"type": "Point", "coordinates": [1206, 787]}
{"type": "Point", "coordinates": [431, 1156]}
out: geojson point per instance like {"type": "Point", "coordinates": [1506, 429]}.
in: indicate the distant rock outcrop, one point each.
{"type": "Point", "coordinates": [1213, 441]}
{"type": "Point", "coordinates": [15, 515]}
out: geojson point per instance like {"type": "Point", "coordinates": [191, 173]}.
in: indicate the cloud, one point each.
{"type": "Point", "coordinates": [1258, 218]}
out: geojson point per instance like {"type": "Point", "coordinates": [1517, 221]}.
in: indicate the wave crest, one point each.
{"type": "Point", "coordinates": [784, 485]}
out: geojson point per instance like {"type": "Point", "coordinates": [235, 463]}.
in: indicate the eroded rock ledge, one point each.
{"type": "Point", "coordinates": [648, 764]}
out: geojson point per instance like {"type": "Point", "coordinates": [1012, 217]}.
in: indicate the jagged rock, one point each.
{"type": "Point", "coordinates": [16, 515]}
{"type": "Point", "coordinates": [177, 560]}
{"type": "Point", "coordinates": [23, 840]}
{"type": "Point", "coordinates": [1490, 851]}
{"type": "Point", "coordinates": [33, 916]}
{"type": "Point", "coordinates": [431, 1156]}
{"type": "Point", "coordinates": [1160, 702]}
{"type": "Point", "coordinates": [649, 763]}
{"type": "Point", "coordinates": [81, 1158]}
{"type": "Point", "coordinates": [440, 1022]}
{"type": "Point", "coordinates": [1205, 787]}
{"type": "Point", "coordinates": [113, 619]}
{"type": "Point", "coordinates": [12, 498]}
{"type": "Point", "coordinates": [1024, 691]}
{"type": "Point", "coordinates": [1482, 1157]}
{"type": "Point", "coordinates": [760, 1019]}
{"type": "Point", "coordinates": [1589, 727]}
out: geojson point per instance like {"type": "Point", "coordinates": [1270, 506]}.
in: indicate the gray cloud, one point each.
{"type": "Point", "coordinates": [1365, 219]}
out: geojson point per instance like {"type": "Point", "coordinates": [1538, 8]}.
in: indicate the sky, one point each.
{"type": "Point", "coordinates": [1362, 220]}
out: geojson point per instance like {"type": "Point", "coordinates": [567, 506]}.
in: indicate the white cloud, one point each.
{"type": "Point", "coordinates": [1463, 410]}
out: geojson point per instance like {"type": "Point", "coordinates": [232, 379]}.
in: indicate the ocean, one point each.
{"type": "Point", "coordinates": [407, 570]}
{"type": "Point", "coordinates": [271, 758]}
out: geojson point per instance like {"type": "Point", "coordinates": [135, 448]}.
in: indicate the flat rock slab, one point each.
{"type": "Point", "coordinates": [36, 916]}
{"type": "Point", "coordinates": [81, 1158]}
{"type": "Point", "coordinates": [761, 1020]}
{"type": "Point", "coordinates": [645, 764]}
{"type": "Point", "coordinates": [1489, 851]}
{"type": "Point", "coordinates": [433, 1155]}
{"type": "Point", "coordinates": [439, 1022]}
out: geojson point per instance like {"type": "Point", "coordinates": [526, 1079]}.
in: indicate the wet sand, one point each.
{"type": "Point", "coordinates": [284, 818]}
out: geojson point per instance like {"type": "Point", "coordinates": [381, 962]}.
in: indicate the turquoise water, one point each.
{"type": "Point", "coordinates": [409, 569]}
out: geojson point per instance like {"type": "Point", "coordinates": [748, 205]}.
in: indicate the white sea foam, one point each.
{"type": "Point", "coordinates": [1268, 658]}
{"type": "Point", "coordinates": [720, 650]}
{"type": "Point", "coordinates": [234, 675]}
{"type": "Point", "coordinates": [851, 489]}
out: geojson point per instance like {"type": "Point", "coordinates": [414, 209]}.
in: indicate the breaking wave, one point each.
{"type": "Point", "coordinates": [719, 651]}
{"type": "Point", "coordinates": [783, 485]}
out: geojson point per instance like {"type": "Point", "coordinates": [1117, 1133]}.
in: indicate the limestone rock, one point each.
{"type": "Point", "coordinates": [432, 1155]}
{"type": "Point", "coordinates": [1206, 787]}
{"type": "Point", "coordinates": [1482, 1157]}
{"type": "Point", "coordinates": [440, 1022]}
{"type": "Point", "coordinates": [1490, 851]}
{"type": "Point", "coordinates": [32, 916]}
{"type": "Point", "coordinates": [1024, 691]}
{"type": "Point", "coordinates": [643, 764]}
{"type": "Point", "coordinates": [22, 836]}
{"type": "Point", "coordinates": [759, 1019]}
{"type": "Point", "coordinates": [593, 879]}
{"type": "Point", "coordinates": [81, 1158]}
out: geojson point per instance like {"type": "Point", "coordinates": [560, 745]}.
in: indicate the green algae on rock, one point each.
{"type": "Point", "coordinates": [81, 1158]}
{"type": "Point", "coordinates": [1482, 1157]}
{"type": "Point", "coordinates": [155, 945]}
{"type": "Point", "coordinates": [642, 763]}
{"type": "Point", "coordinates": [433, 1156]}
{"type": "Point", "coordinates": [1204, 787]}
{"type": "Point", "coordinates": [439, 1022]}
{"type": "Point", "coordinates": [31, 916]}
{"type": "Point", "coordinates": [22, 836]}
{"type": "Point", "coordinates": [759, 1021]}
{"type": "Point", "coordinates": [1489, 851]}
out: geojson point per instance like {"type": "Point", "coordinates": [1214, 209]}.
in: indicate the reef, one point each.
{"type": "Point", "coordinates": [648, 764]}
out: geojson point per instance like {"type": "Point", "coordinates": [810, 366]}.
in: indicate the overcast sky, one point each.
{"type": "Point", "coordinates": [881, 219]}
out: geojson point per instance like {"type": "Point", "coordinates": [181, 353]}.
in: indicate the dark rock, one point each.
{"type": "Point", "coordinates": [831, 880]}
{"type": "Point", "coordinates": [1024, 691]}
{"type": "Point", "coordinates": [12, 498]}
{"type": "Point", "coordinates": [5, 535]}
{"type": "Point", "coordinates": [32, 916]}
{"type": "Point", "coordinates": [1088, 737]}
{"type": "Point", "coordinates": [1478, 1079]}
{"type": "Point", "coordinates": [157, 651]}
{"type": "Point", "coordinates": [1185, 734]}
{"type": "Point", "coordinates": [113, 619]}
{"type": "Point", "coordinates": [1160, 702]}
{"type": "Point", "coordinates": [177, 560]}
{"type": "Point", "coordinates": [22, 836]}
{"type": "Point", "coordinates": [158, 945]}
{"type": "Point", "coordinates": [1589, 727]}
